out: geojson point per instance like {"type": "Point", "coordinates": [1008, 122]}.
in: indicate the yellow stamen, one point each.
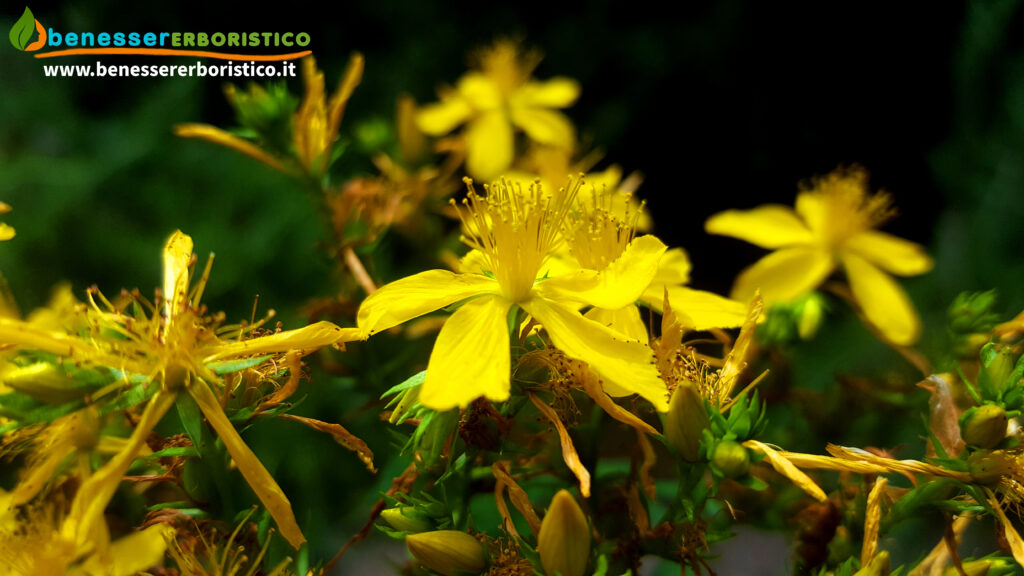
{"type": "Point", "coordinates": [515, 230]}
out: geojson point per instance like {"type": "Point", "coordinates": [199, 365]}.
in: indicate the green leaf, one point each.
{"type": "Point", "coordinates": [191, 418]}
{"type": "Point", "coordinates": [22, 30]}
{"type": "Point", "coordinates": [175, 452]}
{"type": "Point", "coordinates": [411, 382]}
{"type": "Point", "coordinates": [223, 367]}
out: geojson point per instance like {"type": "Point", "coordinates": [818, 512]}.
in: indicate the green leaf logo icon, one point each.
{"type": "Point", "coordinates": [22, 30]}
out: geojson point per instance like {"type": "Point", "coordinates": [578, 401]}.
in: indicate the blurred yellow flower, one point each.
{"type": "Point", "coordinates": [513, 234]}
{"type": "Point", "coordinates": [833, 225]}
{"type": "Point", "coordinates": [6, 231]}
{"type": "Point", "coordinates": [498, 99]}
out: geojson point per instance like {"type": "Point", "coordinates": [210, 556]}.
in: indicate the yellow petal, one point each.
{"type": "Point", "coordinates": [306, 339]}
{"type": "Point", "coordinates": [625, 320]}
{"type": "Point", "coordinates": [626, 365]}
{"type": "Point", "coordinates": [813, 209]}
{"type": "Point", "coordinates": [768, 226]}
{"type": "Point", "coordinates": [489, 145]}
{"type": "Point", "coordinates": [872, 521]}
{"type": "Point", "coordinates": [884, 303]}
{"type": "Point", "coordinates": [470, 357]}
{"type": "Point", "coordinates": [620, 284]}
{"type": "Point", "coordinates": [558, 92]}
{"type": "Point", "coordinates": [25, 335]}
{"type": "Point", "coordinates": [1013, 539]}
{"type": "Point", "coordinates": [177, 255]}
{"type": "Point", "coordinates": [890, 253]}
{"type": "Point", "coordinates": [592, 387]}
{"type": "Point", "coordinates": [787, 469]}
{"type": "Point", "coordinates": [6, 232]}
{"type": "Point", "coordinates": [405, 299]}
{"type": "Point", "coordinates": [545, 126]}
{"type": "Point", "coordinates": [736, 360]}
{"type": "Point", "coordinates": [228, 140]}
{"type": "Point", "coordinates": [442, 117]}
{"type": "Point", "coordinates": [480, 91]}
{"type": "Point", "coordinates": [784, 274]}
{"type": "Point", "coordinates": [261, 482]}
{"type": "Point", "coordinates": [94, 494]}
{"type": "Point", "coordinates": [699, 310]}
{"type": "Point", "coordinates": [131, 554]}
{"type": "Point", "coordinates": [674, 268]}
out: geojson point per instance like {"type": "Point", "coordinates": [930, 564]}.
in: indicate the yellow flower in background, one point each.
{"type": "Point", "coordinates": [175, 345]}
{"type": "Point", "coordinates": [6, 231]}
{"type": "Point", "coordinates": [496, 100]}
{"type": "Point", "coordinates": [514, 234]}
{"type": "Point", "coordinates": [833, 225]}
{"type": "Point", "coordinates": [551, 165]}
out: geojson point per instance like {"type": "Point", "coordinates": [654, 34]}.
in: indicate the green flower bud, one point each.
{"type": "Point", "coordinates": [998, 363]}
{"type": "Point", "coordinates": [810, 316]}
{"type": "Point", "coordinates": [879, 566]}
{"type": "Point", "coordinates": [564, 539]}
{"type": "Point", "coordinates": [731, 459]}
{"type": "Point", "coordinates": [407, 519]}
{"type": "Point", "coordinates": [984, 426]}
{"type": "Point", "coordinates": [447, 551]}
{"type": "Point", "coordinates": [686, 420]}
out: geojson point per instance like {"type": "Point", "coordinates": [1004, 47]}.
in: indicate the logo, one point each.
{"type": "Point", "coordinates": [22, 31]}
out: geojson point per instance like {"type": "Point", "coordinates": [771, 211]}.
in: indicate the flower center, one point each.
{"type": "Point", "coordinates": [596, 236]}
{"type": "Point", "coordinates": [515, 230]}
{"type": "Point", "coordinates": [847, 207]}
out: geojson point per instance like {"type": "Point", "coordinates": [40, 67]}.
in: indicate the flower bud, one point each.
{"type": "Point", "coordinates": [564, 539]}
{"type": "Point", "coordinates": [989, 467]}
{"type": "Point", "coordinates": [984, 426]}
{"type": "Point", "coordinates": [686, 420]}
{"type": "Point", "coordinates": [731, 459]}
{"type": "Point", "coordinates": [447, 551]}
{"type": "Point", "coordinates": [811, 314]}
{"type": "Point", "coordinates": [406, 519]}
{"type": "Point", "coordinates": [998, 363]}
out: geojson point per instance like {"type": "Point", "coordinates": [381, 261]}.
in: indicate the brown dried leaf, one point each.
{"type": "Point", "coordinates": [340, 435]}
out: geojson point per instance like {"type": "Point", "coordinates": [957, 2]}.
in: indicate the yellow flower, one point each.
{"type": "Point", "coordinates": [513, 233]}
{"type": "Point", "coordinates": [175, 347]}
{"type": "Point", "coordinates": [599, 232]}
{"type": "Point", "coordinates": [496, 100]}
{"type": "Point", "coordinates": [6, 231]}
{"type": "Point", "coordinates": [833, 225]}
